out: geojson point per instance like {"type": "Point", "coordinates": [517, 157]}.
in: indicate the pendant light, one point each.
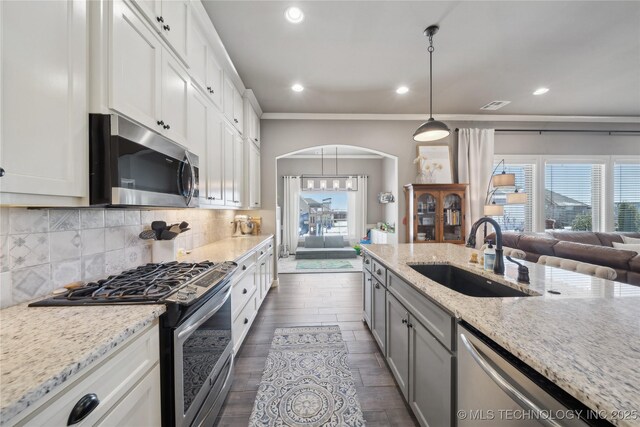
{"type": "Point", "coordinates": [431, 130]}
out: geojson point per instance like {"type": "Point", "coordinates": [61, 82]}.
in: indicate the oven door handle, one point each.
{"type": "Point", "coordinates": [188, 330]}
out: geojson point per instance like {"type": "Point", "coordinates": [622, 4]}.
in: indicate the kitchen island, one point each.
{"type": "Point", "coordinates": [584, 336]}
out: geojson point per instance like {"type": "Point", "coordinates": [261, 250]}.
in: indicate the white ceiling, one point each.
{"type": "Point", "coordinates": [351, 55]}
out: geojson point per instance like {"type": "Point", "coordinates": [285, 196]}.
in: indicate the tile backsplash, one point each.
{"type": "Point", "coordinates": [44, 249]}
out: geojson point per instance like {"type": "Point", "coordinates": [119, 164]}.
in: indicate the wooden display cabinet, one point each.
{"type": "Point", "coordinates": [435, 213]}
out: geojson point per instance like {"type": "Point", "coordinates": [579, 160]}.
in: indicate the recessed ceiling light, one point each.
{"type": "Point", "coordinates": [402, 90]}
{"type": "Point", "coordinates": [297, 87]}
{"type": "Point", "coordinates": [294, 15]}
{"type": "Point", "coordinates": [541, 91]}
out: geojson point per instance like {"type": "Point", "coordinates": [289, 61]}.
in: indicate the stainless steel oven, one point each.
{"type": "Point", "coordinates": [130, 165]}
{"type": "Point", "coordinates": [203, 361]}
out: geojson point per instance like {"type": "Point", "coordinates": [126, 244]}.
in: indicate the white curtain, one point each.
{"type": "Point", "coordinates": [475, 164]}
{"type": "Point", "coordinates": [291, 212]}
{"type": "Point", "coordinates": [357, 211]}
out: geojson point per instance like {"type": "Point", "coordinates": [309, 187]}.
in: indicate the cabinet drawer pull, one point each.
{"type": "Point", "coordinates": [377, 285]}
{"type": "Point", "coordinates": [244, 267]}
{"type": "Point", "coordinates": [246, 320]}
{"type": "Point", "coordinates": [244, 291]}
{"type": "Point", "coordinates": [367, 261]}
{"type": "Point", "coordinates": [160, 122]}
{"type": "Point", "coordinates": [166, 126]}
{"type": "Point", "coordinates": [2, 173]}
{"type": "Point", "coordinates": [379, 272]}
{"type": "Point", "coordinates": [83, 408]}
{"type": "Point", "coordinates": [255, 139]}
{"type": "Point", "coordinates": [409, 325]}
{"type": "Point", "coordinates": [166, 27]}
{"type": "Point", "coordinates": [235, 120]}
{"type": "Point", "coordinates": [160, 19]}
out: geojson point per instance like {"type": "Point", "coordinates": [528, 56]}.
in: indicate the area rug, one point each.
{"type": "Point", "coordinates": [306, 381]}
{"type": "Point", "coordinates": [322, 264]}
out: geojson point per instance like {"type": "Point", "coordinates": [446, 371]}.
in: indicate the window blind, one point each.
{"type": "Point", "coordinates": [626, 196]}
{"type": "Point", "coordinates": [573, 196]}
{"type": "Point", "coordinates": [517, 217]}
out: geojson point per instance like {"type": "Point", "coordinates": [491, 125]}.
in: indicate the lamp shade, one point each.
{"type": "Point", "coordinates": [431, 130]}
{"type": "Point", "coordinates": [504, 180]}
{"type": "Point", "coordinates": [493, 210]}
{"type": "Point", "coordinates": [516, 198]}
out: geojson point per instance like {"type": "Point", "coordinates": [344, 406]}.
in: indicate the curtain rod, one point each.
{"type": "Point", "coordinates": [540, 131]}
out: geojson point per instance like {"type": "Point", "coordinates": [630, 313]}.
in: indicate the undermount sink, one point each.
{"type": "Point", "coordinates": [466, 282]}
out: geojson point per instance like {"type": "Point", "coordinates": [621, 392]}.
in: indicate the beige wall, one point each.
{"type": "Point", "coordinates": [280, 137]}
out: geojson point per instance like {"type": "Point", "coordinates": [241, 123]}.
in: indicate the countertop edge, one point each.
{"type": "Point", "coordinates": [32, 397]}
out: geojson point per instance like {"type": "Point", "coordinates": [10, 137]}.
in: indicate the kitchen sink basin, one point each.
{"type": "Point", "coordinates": [466, 282]}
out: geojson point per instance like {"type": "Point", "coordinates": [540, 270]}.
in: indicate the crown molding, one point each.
{"type": "Point", "coordinates": [453, 117]}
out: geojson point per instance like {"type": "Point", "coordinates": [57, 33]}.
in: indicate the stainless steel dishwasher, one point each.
{"type": "Point", "coordinates": [496, 389]}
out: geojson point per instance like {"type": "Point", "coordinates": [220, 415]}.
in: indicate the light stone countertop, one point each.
{"type": "Point", "coordinates": [229, 249]}
{"type": "Point", "coordinates": [43, 347]}
{"type": "Point", "coordinates": [586, 340]}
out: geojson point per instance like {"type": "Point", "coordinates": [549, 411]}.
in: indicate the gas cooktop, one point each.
{"type": "Point", "coordinates": [173, 282]}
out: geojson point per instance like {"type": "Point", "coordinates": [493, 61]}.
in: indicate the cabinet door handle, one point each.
{"type": "Point", "coordinates": [255, 139]}
{"type": "Point", "coordinates": [160, 122]}
{"type": "Point", "coordinates": [379, 272]}
{"type": "Point", "coordinates": [235, 120]}
{"type": "Point", "coordinates": [166, 126]}
{"type": "Point", "coordinates": [409, 325]}
{"type": "Point", "coordinates": [244, 267]}
{"type": "Point", "coordinates": [366, 261]}
{"type": "Point", "coordinates": [244, 291]}
{"type": "Point", "coordinates": [2, 173]}
{"type": "Point", "coordinates": [377, 285]}
{"type": "Point", "coordinates": [83, 408]}
{"type": "Point", "coordinates": [166, 27]}
{"type": "Point", "coordinates": [246, 320]}
{"type": "Point", "coordinates": [160, 19]}
{"type": "Point", "coordinates": [404, 321]}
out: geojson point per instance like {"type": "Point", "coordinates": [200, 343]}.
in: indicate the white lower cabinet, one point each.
{"type": "Point", "coordinates": [126, 384]}
{"type": "Point", "coordinates": [398, 343]}
{"type": "Point", "coordinates": [43, 86]}
{"type": "Point", "coordinates": [251, 284]}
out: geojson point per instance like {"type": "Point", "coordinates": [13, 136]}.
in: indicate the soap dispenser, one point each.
{"type": "Point", "coordinates": [489, 256]}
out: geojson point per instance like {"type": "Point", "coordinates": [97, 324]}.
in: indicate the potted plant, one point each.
{"type": "Point", "coordinates": [357, 247]}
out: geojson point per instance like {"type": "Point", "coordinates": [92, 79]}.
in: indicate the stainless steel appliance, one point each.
{"type": "Point", "coordinates": [196, 345]}
{"type": "Point", "coordinates": [130, 165]}
{"type": "Point", "coordinates": [497, 389]}
{"type": "Point", "coordinates": [242, 225]}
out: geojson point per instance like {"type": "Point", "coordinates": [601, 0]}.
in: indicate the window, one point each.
{"type": "Point", "coordinates": [573, 196]}
{"type": "Point", "coordinates": [626, 196]}
{"type": "Point", "coordinates": [517, 217]}
{"type": "Point", "coordinates": [323, 214]}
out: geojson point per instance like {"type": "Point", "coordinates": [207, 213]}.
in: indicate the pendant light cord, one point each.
{"type": "Point", "coordinates": [430, 49]}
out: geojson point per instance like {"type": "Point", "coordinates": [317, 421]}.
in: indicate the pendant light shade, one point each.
{"type": "Point", "coordinates": [431, 130]}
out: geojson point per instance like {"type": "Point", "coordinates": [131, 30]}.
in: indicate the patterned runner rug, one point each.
{"type": "Point", "coordinates": [306, 381]}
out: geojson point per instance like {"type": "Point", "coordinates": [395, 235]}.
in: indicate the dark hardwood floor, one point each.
{"type": "Point", "coordinates": [318, 299]}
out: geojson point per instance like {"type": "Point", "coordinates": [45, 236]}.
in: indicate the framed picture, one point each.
{"type": "Point", "coordinates": [438, 159]}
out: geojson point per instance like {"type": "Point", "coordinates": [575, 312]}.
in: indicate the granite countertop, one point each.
{"type": "Point", "coordinates": [230, 249]}
{"type": "Point", "coordinates": [43, 347]}
{"type": "Point", "coordinates": [586, 340]}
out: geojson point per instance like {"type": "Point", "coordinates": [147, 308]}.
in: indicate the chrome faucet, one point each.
{"type": "Point", "coordinates": [498, 266]}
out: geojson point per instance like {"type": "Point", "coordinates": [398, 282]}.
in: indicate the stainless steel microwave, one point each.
{"type": "Point", "coordinates": [130, 165]}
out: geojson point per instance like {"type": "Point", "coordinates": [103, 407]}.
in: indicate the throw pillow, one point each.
{"type": "Point", "coordinates": [627, 246]}
{"type": "Point", "coordinates": [634, 240]}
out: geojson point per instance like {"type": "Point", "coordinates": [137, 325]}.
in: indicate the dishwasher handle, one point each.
{"type": "Point", "coordinates": [505, 385]}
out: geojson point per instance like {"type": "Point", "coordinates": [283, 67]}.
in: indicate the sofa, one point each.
{"type": "Point", "coordinates": [325, 247]}
{"type": "Point", "coordinates": [584, 246]}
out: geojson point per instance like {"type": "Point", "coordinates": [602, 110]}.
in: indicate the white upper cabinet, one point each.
{"type": "Point", "coordinates": [215, 159]}
{"type": "Point", "coordinates": [136, 53]}
{"type": "Point", "coordinates": [238, 110]}
{"type": "Point", "coordinates": [147, 84]}
{"type": "Point", "coordinates": [171, 19]}
{"type": "Point", "coordinates": [238, 170]}
{"type": "Point", "coordinates": [203, 65]}
{"type": "Point", "coordinates": [175, 95]}
{"type": "Point", "coordinates": [228, 170]}
{"type": "Point", "coordinates": [251, 123]}
{"type": "Point", "coordinates": [254, 176]}
{"type": "Point", "coordinates": [233, 105]}
{"type": "Point", "coordinates": [197, 132]}
{"type": "Point", "coordinates": [44, 104]}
